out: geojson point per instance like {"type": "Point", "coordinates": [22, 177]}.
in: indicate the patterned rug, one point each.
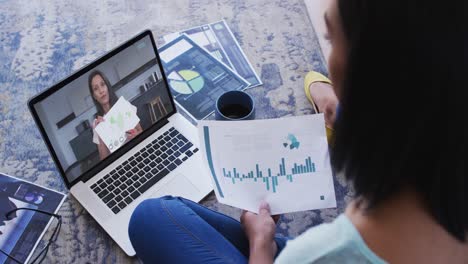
{"type": "Point", "coordinates": [44, 41]}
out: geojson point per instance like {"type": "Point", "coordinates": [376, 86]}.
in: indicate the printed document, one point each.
{"type": "Point", "coordinates": [121, 118]}
{"type": "Point", "coordinates": [284, 162]}
{"type": "Point", "coordinates": [218, 39]}
{"type": "Point", "coordinates": [195, 77]}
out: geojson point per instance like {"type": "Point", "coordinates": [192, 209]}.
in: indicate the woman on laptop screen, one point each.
{"type": "Point", "coordinates": [104, 98]}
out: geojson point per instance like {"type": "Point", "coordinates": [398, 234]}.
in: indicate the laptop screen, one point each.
{"type": "Point", "coordinates": [109, 105]}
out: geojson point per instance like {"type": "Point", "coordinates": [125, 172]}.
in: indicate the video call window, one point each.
{"type": "Point", "coordinates": [96, 114]}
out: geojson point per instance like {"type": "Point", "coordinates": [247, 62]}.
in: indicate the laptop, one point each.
{"type": "Point", "coordinates": [116, 137]}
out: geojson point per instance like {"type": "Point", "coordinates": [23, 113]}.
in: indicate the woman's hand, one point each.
{"type": "Point", "coordinates": [260, 230]}
{"type": "Point", "coordinates": [131, 134]}
{"type": "Point", "coordinates": [98, 120]}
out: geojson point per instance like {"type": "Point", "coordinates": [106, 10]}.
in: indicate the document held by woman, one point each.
{"type": "Point", "coordinates": [120, 118]}
{"type": "Point", "coordinates": [284, 162]}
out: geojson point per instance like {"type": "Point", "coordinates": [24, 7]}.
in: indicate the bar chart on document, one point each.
{"type": "Point", "coordinates": [270, 179]}
{"type": "Point", "coordinates": [282, 161]}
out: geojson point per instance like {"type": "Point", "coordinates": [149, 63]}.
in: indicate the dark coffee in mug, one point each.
{"type": "Point", "coordinates": [235, 111]}
{"type": "Point", "coordinates": [234, 105]}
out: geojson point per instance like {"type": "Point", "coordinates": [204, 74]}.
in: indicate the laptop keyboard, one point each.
{"type": "Point", "coordinates": [141, 171]}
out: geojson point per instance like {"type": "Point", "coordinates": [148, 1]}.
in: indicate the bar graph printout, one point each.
{"type": "Point", "coordinates": [283, 161]}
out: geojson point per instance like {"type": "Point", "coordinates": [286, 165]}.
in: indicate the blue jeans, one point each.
{"type": "Point", "coordinates": [176, 230]}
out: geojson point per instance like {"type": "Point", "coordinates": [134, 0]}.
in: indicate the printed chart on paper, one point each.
{"type": "Point", "coordinates": [282, 161]}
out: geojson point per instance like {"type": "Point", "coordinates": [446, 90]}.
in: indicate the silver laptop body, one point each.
{"type": "Point", "coordinates": [161, 160]}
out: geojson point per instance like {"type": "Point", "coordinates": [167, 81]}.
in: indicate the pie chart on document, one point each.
{"type": "Point", "coordinates": [186, 81]}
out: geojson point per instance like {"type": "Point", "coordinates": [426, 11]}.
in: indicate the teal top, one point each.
{"type": "Point", "coordinates": [336, 242]}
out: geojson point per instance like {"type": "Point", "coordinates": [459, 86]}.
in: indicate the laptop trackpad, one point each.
{"type": "Point", "coordinates": [179, 186]}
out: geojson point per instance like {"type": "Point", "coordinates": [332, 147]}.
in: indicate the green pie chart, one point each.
{"type": "Point", "coordinates": [186, 81]}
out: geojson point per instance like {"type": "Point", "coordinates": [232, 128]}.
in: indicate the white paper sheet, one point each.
{"type": "Point", "coordinates": [121, 118]}
{"type": "Point", "coordinates": [284, 162]}
{"type": "Point", "coordinates": [218, 39]}
{"type": "Point", "coordinates": [21, 234]}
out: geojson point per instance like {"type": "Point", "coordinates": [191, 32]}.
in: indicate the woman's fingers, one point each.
{"type": "Point", "coordinates": [264, 208]}
{"type": "Point", "coordinates": [132, 133]}
{"type": "Point", "coordinates": [98, 120]}
{"type": "Point", "coordinates": [276, 218]}
{"type": "Point", "coordinates": [259, 227]}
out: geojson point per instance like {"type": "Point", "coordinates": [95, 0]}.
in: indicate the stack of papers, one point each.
{"type": "Point", "coordinates": [121, 118]}
{"type": "Point", "coordinates": [22, 231]}
{"type": "Point", "coordinates": [203, 62]}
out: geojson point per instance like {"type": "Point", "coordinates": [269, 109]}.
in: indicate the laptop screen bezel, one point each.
{"type": "Point", "coordinates": [32, 103]}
